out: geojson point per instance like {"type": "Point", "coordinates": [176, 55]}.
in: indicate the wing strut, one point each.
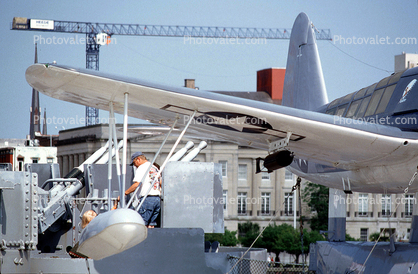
{"type": "Point", "coordinates": [109, 162]}
{"type": "Point", "coordinates": [124, 152]}
{"type": "Point", "coordinates": [112, 133]}
{"type": "Point", "coordinates": [166, 160]}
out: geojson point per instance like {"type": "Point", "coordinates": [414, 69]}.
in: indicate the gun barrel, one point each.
{"type": "Point", "coordinates": [177, 156]}
{"type": "Point", "coordinates": [78, 172]}
{"type": "Point", "coordinates": [105, 157]}
{"type": "Point", "coordinates": [93, 158]}
{"type": "Point", "coordinates": [194, 152]}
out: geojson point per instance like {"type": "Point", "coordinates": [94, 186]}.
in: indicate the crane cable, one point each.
{"type": "Point", "coordinates": [358, 60]}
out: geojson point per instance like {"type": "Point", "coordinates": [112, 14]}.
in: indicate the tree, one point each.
{"type": "Point", "coordinates": [247, 233]}
{"type": "Point", "coordinates": [228, 238]}
{"type": "Point", "coordinates": [349, 238]}
{"type": "Point", "coordinates": [317, 198]}
{"type": "Point", "coordinates": [384, 238]}
{"type": "Point", "coordinates": [278, 239]}
{"type": "Point", "coordinates": [271, 239]}
{"type": "Point", "coordinates": [289, 240]}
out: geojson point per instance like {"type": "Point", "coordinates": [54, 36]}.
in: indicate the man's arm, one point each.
{"type": "Point", "coordinates": [132, 188]}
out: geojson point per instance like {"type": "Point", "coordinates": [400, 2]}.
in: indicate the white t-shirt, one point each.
{"type": "Point", "coordinates": [139, 173]}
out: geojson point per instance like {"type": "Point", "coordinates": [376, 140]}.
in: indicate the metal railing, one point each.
{"type": "Point", "coordinates": [251, 266]}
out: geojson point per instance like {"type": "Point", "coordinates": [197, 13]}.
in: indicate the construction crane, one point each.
{"type": "Point", "coordinates": [98, 34]}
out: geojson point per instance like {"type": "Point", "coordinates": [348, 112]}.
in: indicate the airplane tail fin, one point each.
{"type": "Point", "coordinates": [304, 86]}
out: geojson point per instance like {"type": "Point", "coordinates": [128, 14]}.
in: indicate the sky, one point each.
{"type": "Point", "coordinates": [366, 37]}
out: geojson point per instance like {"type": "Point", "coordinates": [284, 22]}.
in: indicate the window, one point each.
{"type": "Point", "coordinates": [49, 160]}
{"type": "Point", "coordinates": [364, 234]}
{"type": "Point", "coordinates": [288, 176]}
{"type": "Point", "coordinates": [288, 204]}
{"type": "Point", "coordinates": [35, 160]}
{"type": "Point", "coordinates": [341, 110]}
{"type": "Point", "coordinates": [20, 161]}
{"type": "Point", "coordinates": [334, 103]}
{"type": "Point", "coordinates": [353, 108]}
{"type": "Point", "coordinates": [225, 198]}
{"type": "Point", "coordinates": [370, 89]}
{"type": "Point", "coordinates": [242, 172]}
{"type": "Point", "coordinates": [347, 98]}
{"type": "Point", "coordinates": [396, 77]}
{"type": "Point", "coordinates": [374, 102]}
{"type": "Point", "coordinates": [265, 176]}
{"type": "Point", "coordinates": [386, 204]}
{"type": "Point", "coordinates": [331, 111]}
{"type": "Point", "coordinates": [385, 99]}
{"type": "Point", "coordinates": [409, 204]}
{"type": "Point", "coordinates": [224, 167]}
{"type": "Point", "coordinates": [362, 108]}
{"type": "Point", "coordinates": [363, 204]}
{"type": "Point", "coordinates": [383, 82]}
{"type": "Point", "coordinates": [265, 203]}
{"type": "Point", "coordinates": [242, 203]}
{"type": "Point", "coordinates": [360, 93]}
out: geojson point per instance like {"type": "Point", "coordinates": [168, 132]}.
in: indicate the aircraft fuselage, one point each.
{"type": "Point", "coordinates": [390, 102]}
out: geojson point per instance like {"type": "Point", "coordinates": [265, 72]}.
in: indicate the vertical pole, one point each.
{"type": "Point", "coordinates": [124, 151]}
{"type": "Point", "coordinates": [413, 235]}
{"type": "Point", "coordinates": [109, 163]}
{"type": "Point", "coordinates": [294, 203]}
{"type": "Point", "coordinates": [301, 221]}
{"type": "Point", "coordinates": [115, 141]}
{"type": "Point", "coordinates": [337, 215]}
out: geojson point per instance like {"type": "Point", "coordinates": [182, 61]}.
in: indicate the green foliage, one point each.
{"type": "Point", "coordinates": [279, 238]}
{"type": "Point", "coordinates": [374, 236]}
{"type": "Point", "coordinates": [316, 196]}
{"type": "Point", "coordinates": [349, 238]}
{"type": "Point", "coordinates": [248, 232]}
{"type": "Point", "coordinates": [290, 240]}
{"type": "Point", "coordinates": [228, 238]}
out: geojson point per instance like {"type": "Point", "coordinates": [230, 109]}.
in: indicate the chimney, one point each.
{"type": "Point", "coordinates": [271, 80]}
{"type": "Point", "coordinates": [189, 83]}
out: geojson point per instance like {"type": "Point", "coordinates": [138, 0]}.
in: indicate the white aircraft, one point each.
{"type": "Point", "coordinates": [327, 143]}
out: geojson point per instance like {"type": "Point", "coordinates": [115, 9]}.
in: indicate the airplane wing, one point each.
{"type": "Point", "coordinates": [314, 136]}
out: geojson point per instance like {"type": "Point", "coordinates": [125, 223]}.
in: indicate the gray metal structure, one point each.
{"type": "Point", "coordinates": [338, 256]}
{"type": "Point", "coordinates": [40, 223]}
{"type": "Point", "coordinates": [350, 257]}
{"type": "Point", "coordinates": [193, 196]}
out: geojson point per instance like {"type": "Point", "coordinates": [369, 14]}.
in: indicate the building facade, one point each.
{"type": "Point", "coordinates": [246, 196]}
{"type": "Point", "coordinates": [371, 213]}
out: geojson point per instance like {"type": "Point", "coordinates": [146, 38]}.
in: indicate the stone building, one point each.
{"type": "Point", "coordinates": [249, 196]}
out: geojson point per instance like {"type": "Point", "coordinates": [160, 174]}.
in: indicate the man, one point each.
{"type": "Point", "coordinates": [151, 206]}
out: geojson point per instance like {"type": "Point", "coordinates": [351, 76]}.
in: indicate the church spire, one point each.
{"type": "Point", "coordinates": [34, 110]}
{"type": "Point", "coordinates": [44, 129]}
